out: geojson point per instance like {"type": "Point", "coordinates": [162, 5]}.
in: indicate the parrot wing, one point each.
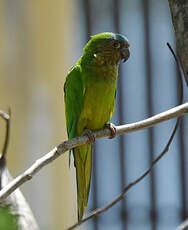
{"type": "Point", "coordinates": [74, 93]}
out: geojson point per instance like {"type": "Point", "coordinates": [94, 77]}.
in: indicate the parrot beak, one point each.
{"type": "Point", "coordinates": [125, 53]}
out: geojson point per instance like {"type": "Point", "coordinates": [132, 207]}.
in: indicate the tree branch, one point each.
{"type": "Point", "coordinates": [6, 117]}
{"type": "Point", "coordinates": [183, 225]}
{"type": "Point", "coordinates": [67, 145]}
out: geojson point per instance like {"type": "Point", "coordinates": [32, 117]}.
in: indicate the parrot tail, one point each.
{"type": "Point", "coordinates": [83, 164]}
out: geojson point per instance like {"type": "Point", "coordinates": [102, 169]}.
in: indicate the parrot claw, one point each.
{"type": "Point", "coordinates": [90, 135]}
{"type": "Point", "coordinates": [112, 129]}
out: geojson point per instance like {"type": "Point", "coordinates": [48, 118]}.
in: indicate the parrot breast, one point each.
{"type": "Point", "coordinates": [98, 103]}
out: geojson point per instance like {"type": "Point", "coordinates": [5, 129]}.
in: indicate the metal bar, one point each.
{"type": "Point", "coordinates": [95, 193]}
{"type": "Point", "coordinates": [88, 20]}
{"type": "Point", "coordinates": [116, 7]}
{"type": "Point", "coordinates": [149, 102]}
{"type": "Point", "coordinates": [182, 159]}
{"type": "Point", "coordinates": [183, 171]}
{"type": "Point", "coordinates": [88, 31]}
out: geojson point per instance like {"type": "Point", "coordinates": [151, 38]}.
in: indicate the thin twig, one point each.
{"type": "Point", "coordinates": [183, 225]}
{"type": "Point", "coordinates": [125, 190]}
{"type": "Point", "coordinates": [7, 135]}
{"type": "Point", "coordinates": [77, 141]}
{"type": "Point", "coordinates": [6, 117]}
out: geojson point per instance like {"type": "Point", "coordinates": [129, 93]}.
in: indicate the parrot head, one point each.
{"type": "Point", "coordinates": [108, 48]}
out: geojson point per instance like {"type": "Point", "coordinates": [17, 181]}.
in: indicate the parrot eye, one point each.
{"type": "Point", "coordinates": [116, 45]}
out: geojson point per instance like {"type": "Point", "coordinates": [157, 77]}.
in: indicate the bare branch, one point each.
{"type": "Point", "coordinates": [183, 225]}
{"type": "Point", "coordinates": [6, 117]}
{"type": "Point", "coordinates": [67, 145]}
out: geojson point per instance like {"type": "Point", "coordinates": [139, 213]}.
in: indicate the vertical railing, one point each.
{"type": "Point", "coordinates": [150, 109]}
{"type": "Point", "coordinates": [116, 14]}
{"type": "Point", "coordinates": [182, 167]}
{"type": "Point", "coordinates": [182, 164]}
{"type": "Point", "coordinates": [88, 32]}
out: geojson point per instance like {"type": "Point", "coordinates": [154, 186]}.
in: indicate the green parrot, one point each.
{"type": "Point", "coordinates": [89, 91]}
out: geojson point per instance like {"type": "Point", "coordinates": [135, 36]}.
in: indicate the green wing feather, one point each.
{"type": "Point", "coordinates": [74, 91]}
{"type": "Point", "coordinates": [74, 96]}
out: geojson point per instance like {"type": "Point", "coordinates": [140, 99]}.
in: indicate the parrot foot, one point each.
{"type": "Point", "coordinates": [89, 134]}
{"type": "Point", "coordinates": [112, 129]}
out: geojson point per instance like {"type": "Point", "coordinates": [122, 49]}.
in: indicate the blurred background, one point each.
{"type": "Point", "coordinates": [40, 40]}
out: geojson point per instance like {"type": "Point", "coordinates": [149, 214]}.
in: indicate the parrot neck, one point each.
{"type": "Point", "coordinates": [100, 62]}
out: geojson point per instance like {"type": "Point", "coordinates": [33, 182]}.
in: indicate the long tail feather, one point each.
{"type": "Point", "coordinates": [83, 164]}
